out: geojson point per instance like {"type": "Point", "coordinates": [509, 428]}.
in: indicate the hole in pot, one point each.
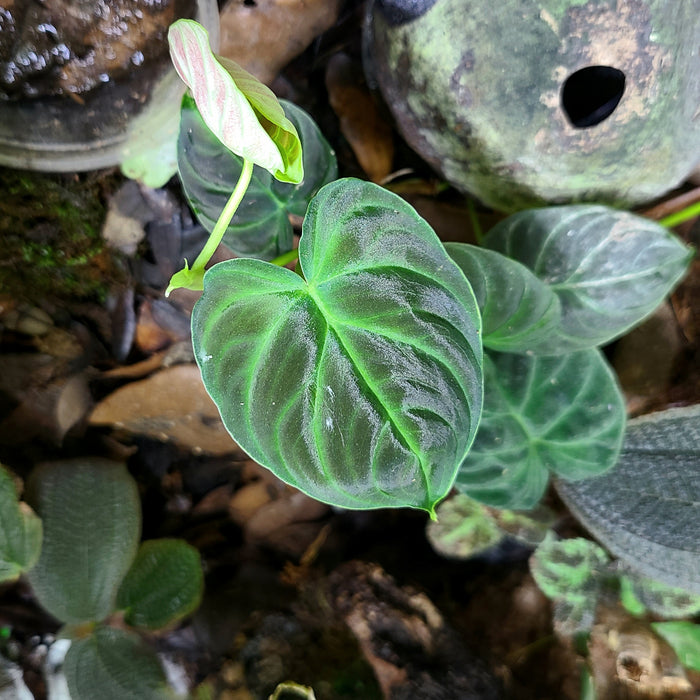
{"type": "Point", "coordinates": [590, 95]}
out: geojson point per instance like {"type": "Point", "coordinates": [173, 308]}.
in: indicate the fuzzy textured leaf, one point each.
{"type": "Point", "coordinates": [112, 664]}
{"type": "Point", "coordinates": [164, 584]}
{"type": "Point", "coordinates": [562, 414]}
{"type": "Point", "coordinates": [684, 637]}
{"type": "Point", "coordinates": [570, 572]}
{"type": "Point", "coordinates": [209, 172]}
{"type": "Point", "coordinates": [664, 601]}
{"type": "Point", "coordinates": [362, 385]}
{"type": "Point", "coordinates": [645, 511]}
{"type": "Point", "coordinates": [20, 532]}
{"type": "Point", "coordinates": [519, 312]}
{"type": "Point", "coordinates": [243, 113]}
{"type": "Point", "coordinates": [609, 268]}
{"type": "Point", "coordinates": [91, 514]}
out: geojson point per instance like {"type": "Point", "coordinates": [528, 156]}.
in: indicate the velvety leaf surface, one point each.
{"type": "Point", "coordinates": [209, 172]}
{"type": "Point", "coordinates": [91, 514]}
{"type": "Point", "coordinates": [20, 532]}
{"type": "Point", "coordinates": [562, 414]}
{"type": "Point", "coordinates": [684, 637]}
{"type": "Point", "coordinates": [519, 312]}
{"type": "Point", "coordinates": [112, 664]}
{"type": "Point", "coordinates": [163, 584]}
{"type": "Point", "coordinates": [570, 573]}
{"type": "Point", "coordinates": [361, 385]}
{"type": "Point", "coordinates": [645, 511]}
{"type": "Point", "coordinates": [609, 268]}
{"type": "Point", "coordinates": [662, 600]}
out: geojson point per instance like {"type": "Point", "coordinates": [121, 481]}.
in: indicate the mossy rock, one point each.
{"type": "Point", "coordinates": [525, 102]}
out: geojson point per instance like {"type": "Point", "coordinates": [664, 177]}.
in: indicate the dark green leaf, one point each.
{"type": "Point", "coordinates": [112, 664]}
{"type": "Point", "coordinates": [20, 532]}
{"type": "Point", "coordinates": [209, 172]}
{"type": "Point", "coordinates": [362, 386]}
{"type": "Point", "coordinates": [662, 600]}
{"type": "Point", "coordinates": [570, 572]}
{"type": "Point", "coordinates": [164, 584]}
{"type": "Point", "coordinates": [684, 637]}
{"type": "Point", "coordinates": [91, 513]}
{"type": "Point", "coordinates": [518, 311]}
{"type": "Point", "coordinates": [562, 414]}
{"type": "Point", "coordinates": [645, 511]}
{"type": "Point", "coordinates": [609, 268]}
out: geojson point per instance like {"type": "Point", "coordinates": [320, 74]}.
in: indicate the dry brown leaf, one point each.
{"type": "Point", "coordinates": [263, 36]}
{"type": "Point", "coordinates": [170, 405]}
{"type": "Point", "coordinates": [368, 134]}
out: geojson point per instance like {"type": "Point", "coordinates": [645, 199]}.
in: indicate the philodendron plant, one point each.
{"type": "Point", "coordinates": [90, 572]}
{"type": "Point", "coordinates": [388, 367]}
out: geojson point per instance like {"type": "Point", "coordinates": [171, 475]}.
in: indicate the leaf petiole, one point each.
{"type": "Point", "coordinates": [681, 216]}
{"type": "Point", "coordinates": [286, 258]}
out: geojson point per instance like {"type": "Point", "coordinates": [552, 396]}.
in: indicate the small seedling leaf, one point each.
{"type": "Point", "coordinates": [609, 268]}
{"type": "Point", "coordinates": [293, 691]}
{"type": "Point", "coordinates": [645, 510]}
{"type": "Point", "coordinates": [91, 515]}
{"type": "Point", "coordinates": [243, 113]}
{"type": "Point", "coordinates": [665, 601]}
{"type": "Point", "coordinates": [20, 532]}
{"type": "Point", "coordinates": [684, 637]}
{"type": "Point", "coordinates": [361, 384]}
{"type": "Point", "coordinates": [570, 573]}
{"type": "Point", "coordinates": [561, 414]}
{"type": "Point", "coordinates": [519, 312]}
{"type": "Point", "coordinates": [164, 584]}
{"type": "Point", "coordinates": [113, 664]}
{"type": "Point", "coordinates": [463, 529]}
{"type": "Point", "coordinates": [209, 172]}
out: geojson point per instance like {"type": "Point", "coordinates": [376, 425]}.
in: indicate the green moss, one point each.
{"type": "Point", "coordinates": [50, 242]}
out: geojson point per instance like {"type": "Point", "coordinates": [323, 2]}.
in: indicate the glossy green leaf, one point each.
{"type": "Point", "coordinates": [610, 269]}
{"type": "Point", "coordinates": [362, 385]}
{"type": "Point", "coordinates": [112, 664]}
{"type": "Point", "coordinates": [519, 312]}
{"type": "Point", "coordinates": [91, 514]}
{"type": "Point", "coordinates": [645, 511]}
{"type": "Point", "coordinates": [570, 572]}
{"type": "Point", "coordinates": [20, 532]}
{"type": "Point", "coordinates": [164, 584]}
{"type": "Point", "coordinates": [562, 414]}
{"type": "Point", "coordinates": [684, 637]}
{"type": "Point", "coordinates": [661, 599]}
{"type": "Point", "coordinates": [244, 114]}
{"type": "Point", "coordinates": [209, 172]}
{"type": "Point", "coordinates": [463, 529]}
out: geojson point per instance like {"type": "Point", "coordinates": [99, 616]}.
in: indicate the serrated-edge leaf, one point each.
{"type": "Point", "coordinates": [684, 638]}
{"type": "Point", "coordinates": [361, 386]}
{"type": "Point", "coordinates": [163, 585]}
{"type": "Point", "coordinates": [645, 511]}
{"type": "Point", "coordinates": [91, 514]}
{"type": "Point", "coordinates": [609, 268]}
{"type": "Point", "coordinates": [113, 664]}
{"type": "Point", "coordinates": [518, 311]}
{"type": "Point", "coordinates": [562, 414]}
{"type": "Point", "coordinates": [243, 113]}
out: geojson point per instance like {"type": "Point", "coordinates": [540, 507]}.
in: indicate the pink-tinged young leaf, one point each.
{"type": "Point", "coordinates": [243, 113]}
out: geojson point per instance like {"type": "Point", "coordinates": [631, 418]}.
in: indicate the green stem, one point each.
{"type": "Point", "coordinates": [226, 215]}
{"type": "Point", "coordinates": [286, 258]}
{"type": "Point", "coordinates": [681, 216]}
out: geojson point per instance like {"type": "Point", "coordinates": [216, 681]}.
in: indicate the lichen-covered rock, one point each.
{"type": "Point", "coordinates": [524, 102]}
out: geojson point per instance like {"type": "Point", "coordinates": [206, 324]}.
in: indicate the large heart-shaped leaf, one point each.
{"type": "Point", "coordinates": [91, 513]}
{"type": "Point", "coordinates": [362, 385]}
{"type": "Point", "coordinates": [610, 269]}
{"type": "Point", "coordinates": [244, 114]}
{"type": "Point", "coordinates": [164, 584]}
{"type": "Point", "coordinates": [112, 664]}
{"type": "Point", "coordinates": [20, 532]}
{"type": "Point", "coordinates": [645, 511]}
{"type": "Point", "coordinates": [563, 414]}
{"type": "Point", "coordinates": [209, 172]}
{"type": "Point", "coordinates": [519, 312]}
